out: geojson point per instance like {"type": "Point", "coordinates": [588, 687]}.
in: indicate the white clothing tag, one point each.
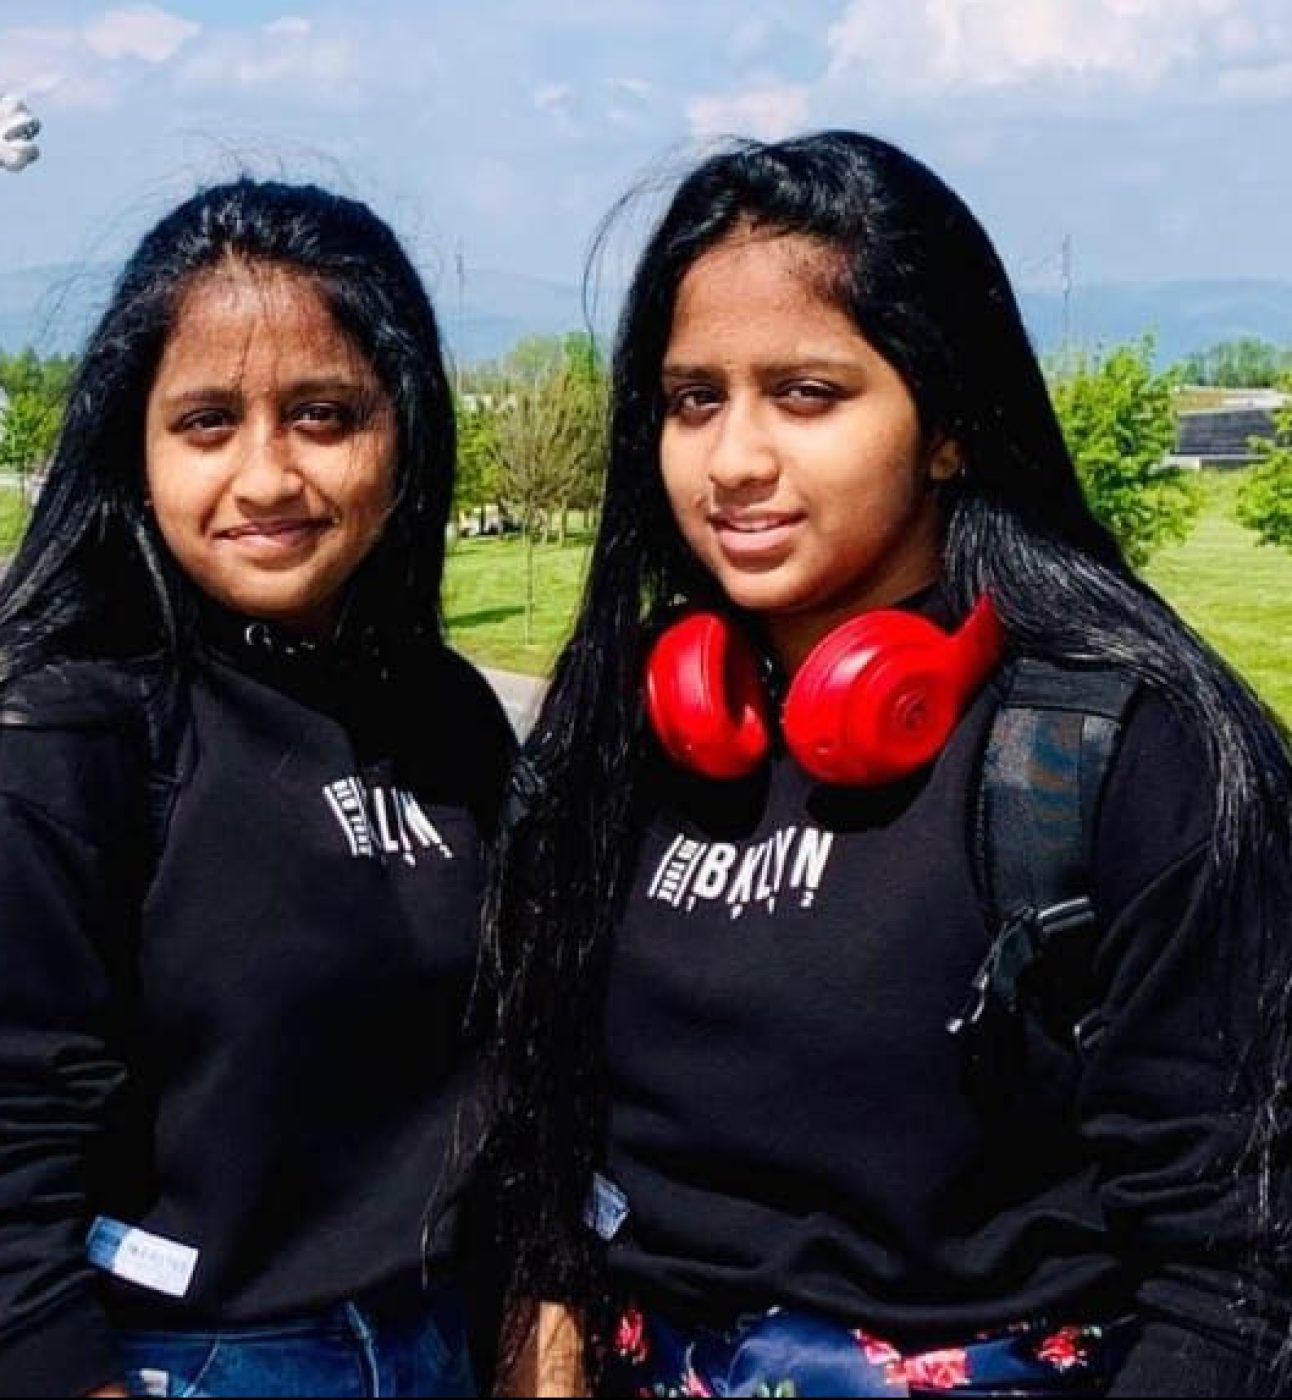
{"type": "Point", "coordinates": [606, 1211]}
{"type": "Point", "coordinates": [138, 1257]}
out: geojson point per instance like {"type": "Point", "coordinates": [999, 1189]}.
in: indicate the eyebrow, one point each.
{"type": "Point", "coordinates": [303, 388]}
{"type": "Point", "coordinates": [809, 365]}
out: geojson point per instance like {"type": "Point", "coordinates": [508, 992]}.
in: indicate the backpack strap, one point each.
{"type": "Point", "coordinates": [1051, 747]}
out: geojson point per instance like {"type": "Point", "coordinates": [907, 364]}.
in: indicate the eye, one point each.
{"type": "Point", "coordinates": [808, 398]}
{"type": "Point", "coordinates": [324, 418]}
{"type": "Point", "coordinates": [693, 403]}
{"type": "Point", "coordinates": [206, 424]}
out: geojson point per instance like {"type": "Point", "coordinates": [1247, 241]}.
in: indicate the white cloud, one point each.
{"type": "Point", "coordinates": [769, 111]}
{"type": "Point", "coordinates": [943, 45]}
{"type": "Point", "coordinates": [553, 96]}
{"type": "Point", "coordinates": [629, 104]}
{"type": "Point", "coordinates": [290, 26]}
{"type": "Point", "coordinates": [89, 66]}
{"type": "Point", "coordinates": [139, 31]}
{"type": "Point", "coordinates": [286, 55]}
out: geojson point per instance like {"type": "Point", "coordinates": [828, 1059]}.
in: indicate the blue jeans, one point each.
{"type": "Point", "coordinates": [350, 1350]}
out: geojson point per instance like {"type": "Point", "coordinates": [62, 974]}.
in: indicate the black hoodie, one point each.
{"type": "Point", "coordinates": [235, 1045]}
{"type": "Point", "coordinates": [790, 1120]}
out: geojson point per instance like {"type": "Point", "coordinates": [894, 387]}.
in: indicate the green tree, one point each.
{"type": "Point", "coordinates": [1238, 364]}
{"type": "Point", "coordinates": [587, 384]}
{"type": "Point", "coordinates": [1119, 419]}
{"type": "Point", "coordinates": [28, 432]}
{"type": "Point", "coordinates": [37, 391]}
{"type": "Point", "coordinates": [1265, 497]}
{"type": "Point", "coordinates": [476, 483]}
{"type": "Point", "coordinates": [533, 439]}
{"type": "Point", "coordinates": [543, 438]}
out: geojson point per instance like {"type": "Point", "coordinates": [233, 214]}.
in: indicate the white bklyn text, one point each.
{"type": "Point", "coordinates": [790, 865]}
{"type": "Point", "coordinates": [380, 822]}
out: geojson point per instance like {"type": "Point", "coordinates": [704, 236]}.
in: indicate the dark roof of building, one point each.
{"type": "Point", "coordinates": [1223, 433]}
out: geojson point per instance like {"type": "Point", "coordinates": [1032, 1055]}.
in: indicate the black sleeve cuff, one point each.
{"type": "Point", "coordinates": [68, 1350]}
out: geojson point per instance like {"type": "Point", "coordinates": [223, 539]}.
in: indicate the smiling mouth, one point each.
{"type": "Point", "coordinates": [275, 530]}
{"type": "Point", "coordinates": [756, 541]}
{"type": "Point", "coordinates": [756, 526]}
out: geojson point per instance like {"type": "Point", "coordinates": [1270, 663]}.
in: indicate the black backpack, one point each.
{"type": "Point", "coordinates": [1044, 768]}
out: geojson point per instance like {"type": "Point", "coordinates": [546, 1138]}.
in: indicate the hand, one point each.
{"type": "Point", "coordinates": [18, 132]}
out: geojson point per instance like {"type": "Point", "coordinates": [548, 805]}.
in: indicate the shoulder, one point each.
{"type": "Point", "coordinates": [453, 696]}
{"type": "Point", "coordinates": [87, 696]}
{"type": "Point", "coordinates": [463, 684]}
{"type": "Point", "coordinates": [1158, 806]}
{"type": "Point", "coordinates": [74, 742]}
{"type": "Point", "coordinates": [463, 730]}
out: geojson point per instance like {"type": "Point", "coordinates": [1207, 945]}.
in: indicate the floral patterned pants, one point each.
{"type": "Point", "coordinates": [790, 1354]}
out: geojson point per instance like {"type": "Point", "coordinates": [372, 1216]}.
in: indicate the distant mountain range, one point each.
{"type": "Point", "coordinates": [52, 308]}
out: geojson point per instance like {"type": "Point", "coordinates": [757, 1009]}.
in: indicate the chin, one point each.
{"type": "Point", "coordinates": [768, 595]}
{"type": "Point", "coordinates": [283, 610]}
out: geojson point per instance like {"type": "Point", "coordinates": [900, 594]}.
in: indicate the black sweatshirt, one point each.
{"type": "Point", "coordinates": [789, 1115]}
{"type": "Point", "coordinates": [246, 1044]}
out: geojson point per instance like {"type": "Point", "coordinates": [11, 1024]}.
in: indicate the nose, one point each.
{"type": "Point", "coordinates": [267, 473]}
{"type": "Point", "coordinates": [742, 453]}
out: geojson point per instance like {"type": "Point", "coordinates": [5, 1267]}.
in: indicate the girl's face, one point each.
{"type": "Point", "coordinates": [270, 447]}
{"type": "Point", "coordinates": [792, 451]}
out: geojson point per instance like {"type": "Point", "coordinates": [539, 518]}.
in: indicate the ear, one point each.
{"type": "Point", "coordinates": [946, 462]}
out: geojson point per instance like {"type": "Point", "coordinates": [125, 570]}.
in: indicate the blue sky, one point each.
{"type": "Point", "coordinates": [1154, 133]}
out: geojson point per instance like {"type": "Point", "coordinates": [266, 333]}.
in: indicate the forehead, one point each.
{"type": "Point", "coordinates": [755, 289]}
{"type": "Point", "coordinates": [239, 321]}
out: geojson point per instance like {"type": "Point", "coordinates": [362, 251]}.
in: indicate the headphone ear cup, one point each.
{"type": "Point", "coordinates": [875, 702]}
{"type": "Point", "coordinates": [705, 698]}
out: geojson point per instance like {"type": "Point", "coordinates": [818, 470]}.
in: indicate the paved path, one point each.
{"type": "Point", "coordinates": [520, 696]}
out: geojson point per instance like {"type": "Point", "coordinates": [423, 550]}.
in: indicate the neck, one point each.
{"type": "Point", "coordinates": [794, 636]}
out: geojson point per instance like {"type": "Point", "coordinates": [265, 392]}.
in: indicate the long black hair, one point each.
{"type": "Point", "coordinates": [921, 280]}
{"type": "Point", "coordinates": [92, 576]}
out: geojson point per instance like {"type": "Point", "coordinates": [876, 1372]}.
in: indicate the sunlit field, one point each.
{"type": "Point", "coordinates": [1236, 592]}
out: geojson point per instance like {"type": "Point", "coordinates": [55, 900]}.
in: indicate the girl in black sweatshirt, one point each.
{"type": "Point", "coordinates": [244, 790]}
{"type": "Point", "coordinates": [734, 1137]}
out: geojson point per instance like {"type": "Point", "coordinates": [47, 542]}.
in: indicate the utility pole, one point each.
{"type": "Point", "coordinates": [460, 264]}
{"type": "Point", "coordinates": [1068, 282]}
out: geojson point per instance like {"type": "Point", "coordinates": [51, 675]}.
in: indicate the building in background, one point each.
{"type": "Point", "coordinates": [1222, 436]}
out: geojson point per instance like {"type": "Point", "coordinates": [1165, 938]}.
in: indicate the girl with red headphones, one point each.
{"type": "Point", "coordinates": [733, 1145]}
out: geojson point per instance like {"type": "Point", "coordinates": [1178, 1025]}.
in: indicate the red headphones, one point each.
{"type": "Point", "coordinates": [875, 701]}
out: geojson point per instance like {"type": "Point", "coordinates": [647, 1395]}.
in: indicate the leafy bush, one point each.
{"type": "Point", "coordinates": [1265, 499]}
{"type": "Point", "coordinates": [1119, 419]}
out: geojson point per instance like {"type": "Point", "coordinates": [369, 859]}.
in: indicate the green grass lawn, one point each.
{"type": "Point", "coordinates": [13, 517]}
{"type": "Point", "coordinates": [485, 601]}
{"type": "Point", "coordinates": [1237, 593]}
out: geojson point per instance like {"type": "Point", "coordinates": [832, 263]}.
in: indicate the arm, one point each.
{"type": "Point", "coordinates": [1168, 1103]}
{"type": "Point", "coordinates": [551, 1361]}
{"type": "Point", "coordinates": [61, 909]}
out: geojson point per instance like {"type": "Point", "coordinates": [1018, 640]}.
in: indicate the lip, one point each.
{"type": "Point", "coordinates": [274, 536]}
{"type": "Point", "coordinates": [755, 537]}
